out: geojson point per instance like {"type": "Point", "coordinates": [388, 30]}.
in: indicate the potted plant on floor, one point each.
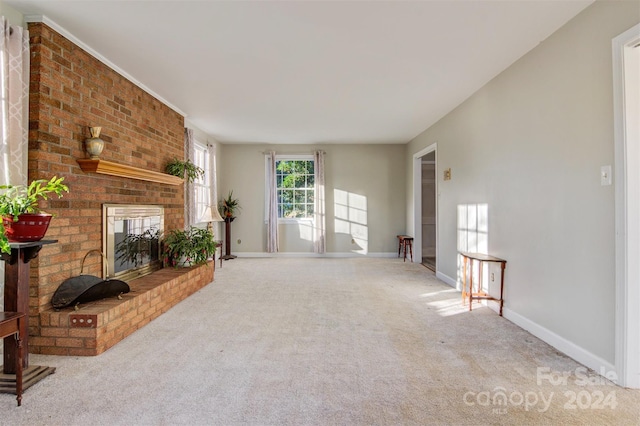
{"type": "Point", "coordinates": [192, 246]}
{"type": "Point", "coordinates": [22, 220]}
{"type": "Point", "coordinates": [184, 169]}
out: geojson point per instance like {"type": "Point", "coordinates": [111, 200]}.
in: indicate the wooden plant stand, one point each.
{"type": "Point", "coordinates": [227, 239]}
{"type": "Point", "coordinates": [16, 299]}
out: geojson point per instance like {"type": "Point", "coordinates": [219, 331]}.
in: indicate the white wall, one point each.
{"type": "Point", "coordinates": [530, 145]}
{"type": "Point", "coordinates": [371, 177]}
{"type": "Point", "coordinates": [14, 17]}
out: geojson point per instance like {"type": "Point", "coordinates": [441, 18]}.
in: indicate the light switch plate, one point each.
{"type": "Point", "coordinates": [605, 175]}
{"type": "Point", "coordinates": [447, 174]}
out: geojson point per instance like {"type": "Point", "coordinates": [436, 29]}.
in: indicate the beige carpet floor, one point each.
{"type": "Point", "coordinates": [323, 342]}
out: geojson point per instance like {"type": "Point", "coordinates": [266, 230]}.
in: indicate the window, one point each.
{"type": "Point", "coordinates": [296, 187]}
{"type": "Point", "coordinates": [202, 186]}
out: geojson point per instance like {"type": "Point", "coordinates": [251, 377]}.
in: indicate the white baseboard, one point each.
{"type": "Point", "coordinates": [447, 279]}
{"type": "Point", "coordinates": [569, 348]}
{"type": "Point", "coordinates": [299, 254]}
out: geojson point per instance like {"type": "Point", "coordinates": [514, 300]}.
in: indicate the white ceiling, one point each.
{"type": "Point", "coordinates": [309, 71]}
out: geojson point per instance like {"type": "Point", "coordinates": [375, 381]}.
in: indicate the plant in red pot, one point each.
{"type": "Point", "coordinates": [22, 220]}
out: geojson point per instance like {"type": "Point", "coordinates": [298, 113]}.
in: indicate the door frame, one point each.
{"type": "Point", "coordinates": [417, 203]}
{"type": "Point", "coordinates": [627, 208]}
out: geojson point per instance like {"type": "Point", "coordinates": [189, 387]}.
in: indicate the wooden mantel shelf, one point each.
{"type": "Point", "coordinates": [114, 169]}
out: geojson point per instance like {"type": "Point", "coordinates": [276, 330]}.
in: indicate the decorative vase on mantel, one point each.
{"type": "Point", "coordinates": [94, 145]}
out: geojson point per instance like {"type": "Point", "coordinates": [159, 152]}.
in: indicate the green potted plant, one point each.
{"type": "Point", "coordinates": [192, 246]}
{"type": "Point", "coordinates": [184, 169]}
{"type": "Point", "coordinates": [22, 220]}
{"type": "Point", "coordinates": [229, 206]}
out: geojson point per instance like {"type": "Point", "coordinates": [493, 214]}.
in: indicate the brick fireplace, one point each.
{"type": "Point", "coordinates": [71, 90]}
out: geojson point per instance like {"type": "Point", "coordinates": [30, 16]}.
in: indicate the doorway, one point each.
{"type": "Point", "coordinates": [428, 182]}
{"type": "Point", "coordinates": [425, 230]}
{"type": "Point", "coordinates": [626, 94]}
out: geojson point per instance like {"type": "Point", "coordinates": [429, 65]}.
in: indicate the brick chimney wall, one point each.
{"type": "Point", "coordinates": [71, 90]}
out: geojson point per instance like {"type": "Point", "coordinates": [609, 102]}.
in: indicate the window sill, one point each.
{"type": "Point", "coordinates": [295, 220]}
{"type": "Point", "coordinates": [292, 221]}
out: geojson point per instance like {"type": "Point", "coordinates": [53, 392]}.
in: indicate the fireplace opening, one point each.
{"type": "Point", "coordinates": [131, 240]}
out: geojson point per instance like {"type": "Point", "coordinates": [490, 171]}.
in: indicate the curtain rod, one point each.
{"type": "Point", "coordinates": [289, 153]}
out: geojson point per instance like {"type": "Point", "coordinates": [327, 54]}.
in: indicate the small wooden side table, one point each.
{"type": "Point", "coordinates": [10, 325]}
{"type": "Point", "coordinates": [405, 241]}
{"type": "Point", "coordinates": [479, 294]}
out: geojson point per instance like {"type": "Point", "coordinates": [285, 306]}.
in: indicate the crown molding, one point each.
{"type": "Point", "coordinates": [62, 31]}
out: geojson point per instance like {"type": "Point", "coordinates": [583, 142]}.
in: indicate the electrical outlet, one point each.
{"type": "Point", "coordinates": [493, 277]}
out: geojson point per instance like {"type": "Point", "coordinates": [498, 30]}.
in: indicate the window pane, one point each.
{"type": "Point", "coordinates": [201, 186]}
{"type": "Point", "coordinates": [300, 196]}
{"type": "Point", "coordinates": [300, 181]}
{"type": "Point", "coordinates": [287, 196]}
{"type": "Point", "coordinates": [295, 182]}
{"type": "Point", "coordinates": [309, 167]}
{"type": "Point", "coordinates": [288, 181]}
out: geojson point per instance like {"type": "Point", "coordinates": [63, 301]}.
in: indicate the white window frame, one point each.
{"type": "Point", "coordinates": [202, 185]}
{"type": "Point", "coordinates": [284, 157]}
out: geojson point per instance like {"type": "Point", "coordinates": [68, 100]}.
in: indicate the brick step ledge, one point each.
{"type": "Point", "coordinates": [97, 326]}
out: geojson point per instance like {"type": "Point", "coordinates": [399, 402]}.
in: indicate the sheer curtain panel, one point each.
{"type": "Point", "coordinates": [14, 73]}
{"type": "Point", "coordinates": [319, 241]}
{"type": "Point", "coordinates": [213, 184]}
{"type": "Point", "coordinates": [189, 192]}
{"type": "Point", "coordinates": [14, 108]}
{"type": "Point", "coordinates": [272, 204]}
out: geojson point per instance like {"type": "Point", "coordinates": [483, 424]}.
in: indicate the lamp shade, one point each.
{"type": "Point", "coordinates": [211, 215]}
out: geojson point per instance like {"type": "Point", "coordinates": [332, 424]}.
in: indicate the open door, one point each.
{"type": "Point", "coordinates": [428, 217]}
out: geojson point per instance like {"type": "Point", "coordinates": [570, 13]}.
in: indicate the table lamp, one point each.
{"type": "Point", "coordinates": [211, 215]}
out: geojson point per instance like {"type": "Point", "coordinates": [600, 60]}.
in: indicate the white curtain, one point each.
{"type": "Point", "coordinates": [189, 191]}
{"type": "Point", "coordinates": [14, 73]}
{"type": "Point", "coordinates": [213, 184]}
{"type": "Point", "coordinates": [14, 109]}
{"type": "Point", "coordinates": [272, 204]}
{"type": "Point", "coordinates": [319, 241]}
